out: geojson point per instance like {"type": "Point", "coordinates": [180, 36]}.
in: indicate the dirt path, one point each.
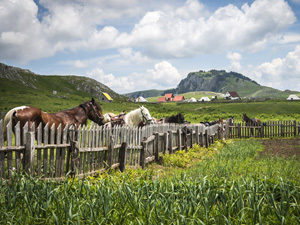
{"type": "Point", "coordinates": [282, 147]}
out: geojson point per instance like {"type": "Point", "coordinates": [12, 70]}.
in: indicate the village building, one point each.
{"type": "Point", "coordinates": [293, 98]}
{"type": "Point", "coordinates": [162, 99]}
{"type": "Point", "coordinates": [213, 98]}
{"type": "Point", "coordinates": [204, 99]}
{"type": "Point", "coordinates": [169, 97]}
{"type": "Point", "coordinates": [232, 95]}
{"type": "Point", "coordinates": [141, 99]}
{"type": "Point", "coordinates": [192, 100]}
{"type": "Point", "coordinates": [179, 98]}
{"type": "Point", "coordinates": [104, 97]}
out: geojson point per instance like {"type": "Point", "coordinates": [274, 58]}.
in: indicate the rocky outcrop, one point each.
{"type": "Point", "coordinates": [214, 80]}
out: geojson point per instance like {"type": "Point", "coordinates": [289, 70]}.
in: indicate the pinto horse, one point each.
{"type": "Point", "coordinates": [77, 116]}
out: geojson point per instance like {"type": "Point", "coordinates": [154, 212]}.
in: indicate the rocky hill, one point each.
{"type": "Point", "coordinates": [62, 84]}
{"type": "Point", "coordinates": [221, 81]}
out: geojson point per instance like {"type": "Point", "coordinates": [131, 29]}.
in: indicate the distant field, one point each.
{"type": "Point", "coordinates": [197, 95]}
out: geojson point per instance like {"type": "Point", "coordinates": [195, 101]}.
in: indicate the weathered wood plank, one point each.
{"type": "Point", "coordinates": [51, 161]}
{"type": "Point", "coordinates": [30, 153]}
{"type": "Point", "coordinates": [39, 152]}
{"type": "Point", "coordinates": [45, 153]}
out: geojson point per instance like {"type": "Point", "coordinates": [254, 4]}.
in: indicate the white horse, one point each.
{"type": "Point", "coordinates": [134, 117]}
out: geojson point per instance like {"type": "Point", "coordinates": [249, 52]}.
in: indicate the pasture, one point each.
{"type": "Point", "coordinates": [246, 181]}
{"type": "Point", "coordinates": [271, 110]}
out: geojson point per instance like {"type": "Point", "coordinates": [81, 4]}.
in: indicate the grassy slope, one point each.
{"type": "Point", "coordinates": [15, 94]}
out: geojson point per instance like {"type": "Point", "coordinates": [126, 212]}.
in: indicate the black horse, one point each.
{"type": "Point", "coordinates": [179, 118]}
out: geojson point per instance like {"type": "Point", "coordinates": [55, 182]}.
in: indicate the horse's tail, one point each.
{"type": "Point", "coordinates": [7, 118]}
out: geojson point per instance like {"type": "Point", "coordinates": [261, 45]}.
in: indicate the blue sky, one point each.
{"type": "Point", "coordinates": [137, 45]}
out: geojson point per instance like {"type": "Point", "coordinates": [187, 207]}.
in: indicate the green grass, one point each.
{"type": "Point", "coordinates": [193, 112]}
{"type": "Point", "coordinates": [231, 186]}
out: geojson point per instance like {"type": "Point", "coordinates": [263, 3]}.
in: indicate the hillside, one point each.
{"type": "Point", "coordinates": [220, 81]}
{"type": "Point", "coordinates": [19, 87]}
{"type": "Point", "coordinates": [148, 93]}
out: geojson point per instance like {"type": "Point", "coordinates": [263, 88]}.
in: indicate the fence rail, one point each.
{"type": "Point", "coordinates": [265, 130]}
{"type": "Point", "coordinates": [49, 153]}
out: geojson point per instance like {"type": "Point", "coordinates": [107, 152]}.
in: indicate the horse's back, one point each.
{"type": "Point", "coordinates": [26, 114]}
{"type": "Point", "coordinates": [10, 115]}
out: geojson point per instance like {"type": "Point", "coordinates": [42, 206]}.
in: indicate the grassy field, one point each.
{"type": "Point", "coordinates": [193, 112]}
{"type": "Point", "coordinates": [196, 112]}
{"type": "Point", "coordinates": [229, 183]}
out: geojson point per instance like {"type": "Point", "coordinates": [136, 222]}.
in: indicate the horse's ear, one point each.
{"type": "Point", "coordinates": [93, 101]}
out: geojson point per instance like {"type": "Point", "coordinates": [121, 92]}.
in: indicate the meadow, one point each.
{"type": "Point", "coordinates": [271, 110]}
{"type": "Point", "coordinates": [229, 183]}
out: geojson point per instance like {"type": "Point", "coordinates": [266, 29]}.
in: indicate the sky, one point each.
{"type": "Point", "coordinates": [136, 45]}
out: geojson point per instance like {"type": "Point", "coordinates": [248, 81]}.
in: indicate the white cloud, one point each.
{"type": "Point", "coordinates": [235, 60]}
{"type": "Point", "coordinates": [167, 34]}
{"type": "Point", "coordinates": [163, 76]}
{"type": "Point", "coordinates": [290, 38]}
{"type": "Point", "coordinates": [280, 73]}
{"type": "Point", "coordinates": [163, 33]}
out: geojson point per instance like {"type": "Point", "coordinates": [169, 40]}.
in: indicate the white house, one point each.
{"type": "Point", "coordinates": [204, 99]}
{"type": "Point", "coordinates": [232, 95]}
{"type": "Point", "coordinates": [141, 99]}
{"type": "Point", "coordinates": [293, 98]}
{"type": "Point", "coordinates": [192, 100]}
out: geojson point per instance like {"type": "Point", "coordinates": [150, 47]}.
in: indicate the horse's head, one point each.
{"type": "Point", "coordinates": [232, 119]}
{"type": "Point", "coordinates": [146, 115]}
{"type": "Point", "coordinates": [244, 118]}
{"type": "Point", "coordinates": [95, 112]}
{"type": "Point", "coordinates": [180, 118]}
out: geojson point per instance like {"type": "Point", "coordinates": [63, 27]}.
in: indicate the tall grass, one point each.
{"type": "Point", "coordinates": [233, 186]}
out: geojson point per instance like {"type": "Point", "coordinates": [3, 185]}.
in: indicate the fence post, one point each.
{"type": "Point", "coordinates": [201, 139]}
{"type": "Point", "coordinates": [122, 156]}
{"type": "Point", "coordinates": [228, 128]}
{"type": "Point", "coordinates": [29, 153]}
{"type": "Point", "coordinates": [166, 141]}
{"type": "Point", "coordinates": [192, 138]}
{"type": "Point", "coordinates": [110, 150]}
{"type": "Point", "coordinates": [239, 130]}
{"type": "Point", "coordinates": [206, 138]}
{"type": "Point", "coordinates": [295, 128]}
{"type": "Point", "coordinates": [179, 139]}
{"type": "Point", "coordinates": [156, 146]}
{"type": "Point", "coordinates": [142, 160]}
{"type": "Point", "coordinates": [74, 151]}
{"type": "Point", "coordinates": [197, 135]}
{"type": "Point", "coordinates": [170, 142]}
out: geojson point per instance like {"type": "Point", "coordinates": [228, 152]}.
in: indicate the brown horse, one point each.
{"type": "Point", "coordinates": [77, 116]}
{"type": "Point", "coordinates": [254, 122]}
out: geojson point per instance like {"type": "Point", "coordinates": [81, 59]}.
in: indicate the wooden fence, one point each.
{"type": "Point", "coordinates": [265, 130]}
{"type": "Point", "coordinates": [87, 151]}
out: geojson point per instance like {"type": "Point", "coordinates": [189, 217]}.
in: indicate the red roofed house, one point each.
{"type": "Point", "coordinates": [232, 95]}
{"type": "Point", "coordinates": [169, 97]}
{"type": "Point", "coordinates": [162, 99]}
{"type": "Point", "coordinates": [178, 98]}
